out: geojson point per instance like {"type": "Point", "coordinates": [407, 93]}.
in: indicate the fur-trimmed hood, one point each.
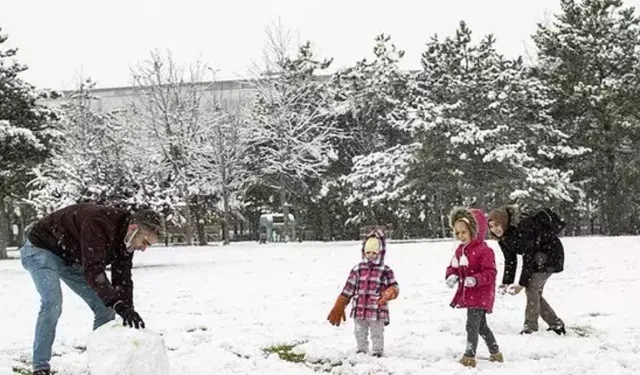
{"type": "Point", "coordinates": [475, 219]}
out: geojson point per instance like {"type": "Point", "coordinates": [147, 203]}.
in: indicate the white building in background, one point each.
{"type": "Point", "coordinates": [228, 93]}
{"type": "Point", "coordinates": [231, 92]}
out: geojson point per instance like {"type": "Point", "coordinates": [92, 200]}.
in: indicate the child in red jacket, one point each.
{"type": "Point", "coordinates": [473, 269]}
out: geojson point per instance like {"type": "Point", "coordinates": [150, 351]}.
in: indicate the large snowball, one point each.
{"type": "Point", "coordinates": [117, 350]}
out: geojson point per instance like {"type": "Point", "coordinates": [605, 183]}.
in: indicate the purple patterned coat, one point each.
{"type": "Point", "coordinates": [366, 282]}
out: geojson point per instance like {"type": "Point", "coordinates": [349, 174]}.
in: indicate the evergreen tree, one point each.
{"type": "Point", "coordinates": [589, 58]}
{"type": "Point", "coordinates": [25, 135]}
{"type": "Point", "coordinates": [485, 130]}
{"type": "Point", "coordinates": [372, 161]}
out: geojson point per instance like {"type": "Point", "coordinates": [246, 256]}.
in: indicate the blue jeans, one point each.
{"type": "Point", "coordinates": [47, 269]}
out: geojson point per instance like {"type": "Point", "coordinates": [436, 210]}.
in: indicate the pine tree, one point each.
{"type": "Point", "coordinates": [365, 97]}
{"type": "Point", "coordinates": [25, 135]}
{"type": "Point", "coordinates": [485, 130]}
{"type": "Point", "coordinates": [373, 157]}
{"type": "Point", "coordinates": [590, 59]}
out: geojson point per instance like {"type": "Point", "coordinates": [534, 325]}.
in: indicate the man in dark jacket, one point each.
{"type": "Point", "coordinates": [75, 245]}
{"type": "Point", "coordinates": [534, 236]}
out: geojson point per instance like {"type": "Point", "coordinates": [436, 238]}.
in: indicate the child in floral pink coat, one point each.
{"type": "Point", "coordinates": [473, 270]}
{"type": "Point", "coordinates": [372, 284]}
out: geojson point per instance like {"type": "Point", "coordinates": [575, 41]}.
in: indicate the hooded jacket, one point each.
{"type": "Point", "coordinates": [366, 282]}
{"type": "Point", "coordinates": [475, 259]}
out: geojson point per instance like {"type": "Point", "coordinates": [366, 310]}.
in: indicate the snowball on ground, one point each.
{"type": "Point", "coordinates": [117, 350]}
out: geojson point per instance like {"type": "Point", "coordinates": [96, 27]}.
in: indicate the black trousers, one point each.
{"type": "Point", "coordinates": [477, 325]}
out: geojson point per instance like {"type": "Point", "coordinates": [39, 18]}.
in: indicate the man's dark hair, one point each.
{"type": "Point", "coordinates": [148, 219]}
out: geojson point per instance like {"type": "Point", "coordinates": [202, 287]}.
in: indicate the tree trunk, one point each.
{"type": "Point", "coordinates": [442, 217]}
{"type": "Point", "coordinates": [164, 231]}
{"type": "Point", "coordinates": [285, 207]}
{"type": "Point", "coordinates": [226, 218]}
{"type": "Point", "coordinates": [200, 225]}
{"type": "Point", "coordinates": [577, 224]}
{"type": "Point", "coordinates": [326, 232]}
{"type": "Point", "coordinates": [189, 222]}
{"type": "Point", "coordinates": [591, 217]}
{"type": "Point", "coordinates": [20, 236]}
{"type": "Point", "coordinates": [4, 240]}
{"type": "Point", "coordinates": [614, 201]}
{"type": "Point", "coordinates": [430, 215]}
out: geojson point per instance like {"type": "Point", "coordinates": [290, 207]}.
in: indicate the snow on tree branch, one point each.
{"type": "Point", "coordinates": [381, 176]}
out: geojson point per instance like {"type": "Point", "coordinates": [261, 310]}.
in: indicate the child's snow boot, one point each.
{"type": "Point", "coordinates": [42, 372]}
{"type": "Point", "coordinates": [377, 355]}
{"type": "Point", "coordinates": [468, 361]}
{"type": "Point", "coordinates": [496, 357]}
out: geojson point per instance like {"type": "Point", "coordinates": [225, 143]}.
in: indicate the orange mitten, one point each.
{"type": "Point", "coordinates": [337, 313]}
{"type": "Point", "coordinates": [388, 294]}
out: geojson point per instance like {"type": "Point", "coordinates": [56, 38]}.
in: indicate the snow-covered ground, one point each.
{"type": "Point", "coordinates": [217, 307]}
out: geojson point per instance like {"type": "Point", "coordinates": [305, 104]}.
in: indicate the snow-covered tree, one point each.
{"type": "Point", "coordinates": [379, 179]}
{"type": "Point", "coordinates": [293, 134]}
{"type": "Point", "coordinates": [486, 132]}
{"type": "Point", "coordinates": [365, 97]}
{"type": "Point", "coordinates": [589, 57]}
{"type": "Point", "coordinates": [223, 158]}
{"type": "Point", "coordinates": [25, 135]}
{"type": "Point", "coordinates": [168, 116]}
{"type": "Point", "coordinates": [376, 151]}
{"type": "Point", "coordinates": [97, 160]}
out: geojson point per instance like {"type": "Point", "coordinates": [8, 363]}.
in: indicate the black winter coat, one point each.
{"type": "Point", "coordinates": [540, 247]}
{"type": "Point", "coordinates": [91, 236]}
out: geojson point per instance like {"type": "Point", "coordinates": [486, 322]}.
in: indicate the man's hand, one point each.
{"type": "Point", "coordinates": [502, 289]}
{"type": "Point", "coordinates": [129, 316]}
{"type": "Point", "coordinates": [514, 289]}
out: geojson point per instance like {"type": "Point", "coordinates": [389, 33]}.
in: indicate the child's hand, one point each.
{"type": "Point", "coordinates": [452, 280]}
{"type": "Point", "coordinates": [470, 282]}
{"type": "Point", "coordinates": [387, 295]}
{"type": "Point", "coordinates": [337, 312]}
{"type": "Point", "coordinates": [502, 289]}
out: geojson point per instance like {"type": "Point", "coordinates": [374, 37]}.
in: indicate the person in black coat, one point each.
{"type": "Point", "coordinates": [534, 236]}
{"type": "Point", "coordinates": [74, 245]}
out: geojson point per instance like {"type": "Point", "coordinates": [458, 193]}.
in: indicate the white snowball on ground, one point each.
{"type": "Point", "coordinates": [117, 350]}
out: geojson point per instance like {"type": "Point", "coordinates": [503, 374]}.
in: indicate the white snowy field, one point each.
{"type": "Point", "coordinates": [217, 307]}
